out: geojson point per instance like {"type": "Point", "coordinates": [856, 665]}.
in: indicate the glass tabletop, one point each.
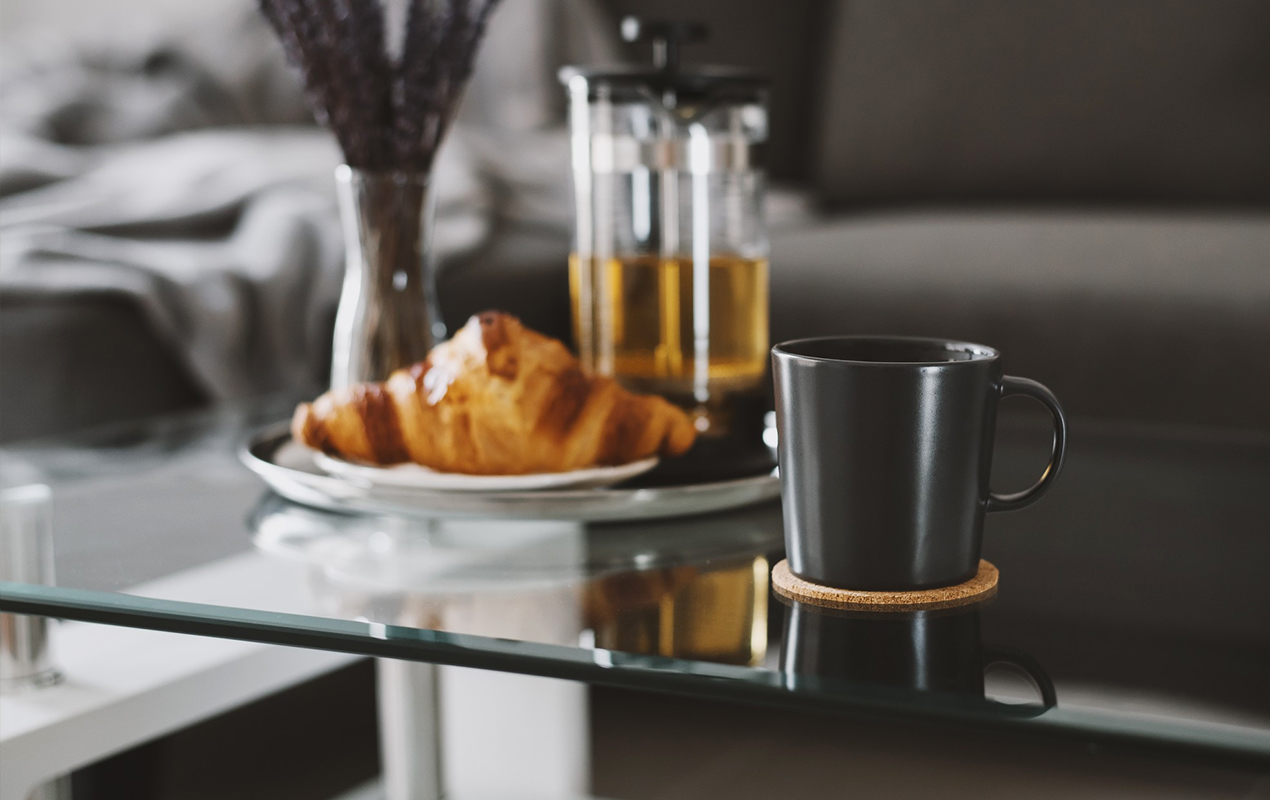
{"type": "Point", "coordinates": [1132, 605]}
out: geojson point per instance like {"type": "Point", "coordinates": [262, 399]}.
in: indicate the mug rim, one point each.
{"type": "Point", "coordinates": [980, 352]}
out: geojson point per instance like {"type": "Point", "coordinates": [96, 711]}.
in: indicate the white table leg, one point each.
{"type": "Point", "coordinates": [409, 730]}
{"type": "Point", "coordinates": [513, 736]}
{"type": "Point", "coordinates": [475, 734]}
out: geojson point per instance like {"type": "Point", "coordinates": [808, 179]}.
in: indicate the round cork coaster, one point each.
{"type": "Point", "coordinates": [982, 586]}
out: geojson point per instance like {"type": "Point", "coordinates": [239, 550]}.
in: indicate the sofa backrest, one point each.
{"type": "Point", "coordinates": [1120, 101]}
{"type": "Point", "coordinates": [1059, 101]}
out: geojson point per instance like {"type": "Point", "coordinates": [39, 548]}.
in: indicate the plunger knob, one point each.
{"type": "Point", "coordinates": [666, 37]}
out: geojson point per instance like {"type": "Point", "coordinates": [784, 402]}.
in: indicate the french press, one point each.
{"type": "Point", "coordinates": [669, 271]}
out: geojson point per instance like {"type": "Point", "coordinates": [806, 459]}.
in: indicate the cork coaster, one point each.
{"type": "Point", "coordinates": [982, 586]}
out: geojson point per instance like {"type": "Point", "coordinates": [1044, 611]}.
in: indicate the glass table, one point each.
{"type": "Point", "coordinates": [1133, 606]}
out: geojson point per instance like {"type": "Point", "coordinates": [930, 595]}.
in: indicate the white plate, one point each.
{"type": "Point", "coordinates": [414, 476]}
{"type": "Point", "coordinates": [290, 470]}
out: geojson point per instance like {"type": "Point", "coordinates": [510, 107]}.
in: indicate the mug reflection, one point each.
{"type": "Point", "coordinates": [937, 650]}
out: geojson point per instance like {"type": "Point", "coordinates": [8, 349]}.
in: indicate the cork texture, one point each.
{"type": "Point", "coordinates": [982, 586]}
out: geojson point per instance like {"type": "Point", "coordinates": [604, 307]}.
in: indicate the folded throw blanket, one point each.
{"type": "Point", "coordinates": [184, 173]}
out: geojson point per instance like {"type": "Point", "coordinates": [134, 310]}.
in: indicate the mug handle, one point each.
{"type": "Point", "coordinates": [1030, 388]}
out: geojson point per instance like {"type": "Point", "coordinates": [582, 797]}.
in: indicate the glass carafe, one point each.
{"type": "Point", "coordinates": [668, 274]}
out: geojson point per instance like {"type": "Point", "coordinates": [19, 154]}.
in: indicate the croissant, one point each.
{"type": "Point", "coordinates": [497, 399]}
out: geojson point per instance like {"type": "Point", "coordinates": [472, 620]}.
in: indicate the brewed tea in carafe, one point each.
{"type": "Point", "coordinates": [668, 275]}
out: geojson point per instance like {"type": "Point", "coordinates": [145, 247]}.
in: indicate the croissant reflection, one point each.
{"type": "Point", "coordinates": [926, 651]}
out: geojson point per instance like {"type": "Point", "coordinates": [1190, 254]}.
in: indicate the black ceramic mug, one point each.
{"type": "Point", "coordinates": [885, 449]}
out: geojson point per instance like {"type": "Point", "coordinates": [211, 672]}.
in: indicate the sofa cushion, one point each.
{"type": "Point", "coordinates": [71, 362]}
{"type": "Point", "coordinates": [1047, 100]}
{"type": "Point", "coordinates": [1160, 317]}
{"type": "Point", "coordinates": [523, 269]}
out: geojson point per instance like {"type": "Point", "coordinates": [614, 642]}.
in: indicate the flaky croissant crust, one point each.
{"type": "Point", "coordinates": [497, 399]}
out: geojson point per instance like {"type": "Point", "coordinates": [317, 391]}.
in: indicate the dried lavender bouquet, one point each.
{"type": "Point", "coordinates": [390, 117]}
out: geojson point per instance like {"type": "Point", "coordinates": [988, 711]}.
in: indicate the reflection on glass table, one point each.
{"type": "Point", "coordinates": [689, 588]}
{"type": "Point", "coordinates": [924, 651]}
{"type": "Point", "coordinates": [1132, 603]}
{"type": "Point", "coordinates": [693, 588]}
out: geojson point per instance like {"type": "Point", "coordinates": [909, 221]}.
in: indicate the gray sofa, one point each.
{"type": "Point", "coordinates": [1085, 186]}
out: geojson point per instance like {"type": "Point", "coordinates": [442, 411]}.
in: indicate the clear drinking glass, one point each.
{"type": "Point", "coordinates": [26, 556]}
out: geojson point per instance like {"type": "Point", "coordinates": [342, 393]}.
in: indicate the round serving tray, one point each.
{"type": "Point", "coordinates": [291, 471]}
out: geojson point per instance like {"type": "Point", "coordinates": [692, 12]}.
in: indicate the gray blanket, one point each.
{"type": "Point", "coordinates": [184, 174]}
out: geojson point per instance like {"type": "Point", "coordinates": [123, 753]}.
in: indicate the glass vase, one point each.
{"type": "Point", "coordinates": [388, 314]}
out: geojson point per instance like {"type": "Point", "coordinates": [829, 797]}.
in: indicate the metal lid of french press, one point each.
{"type": "Point", "coordinates": [667, 79]}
